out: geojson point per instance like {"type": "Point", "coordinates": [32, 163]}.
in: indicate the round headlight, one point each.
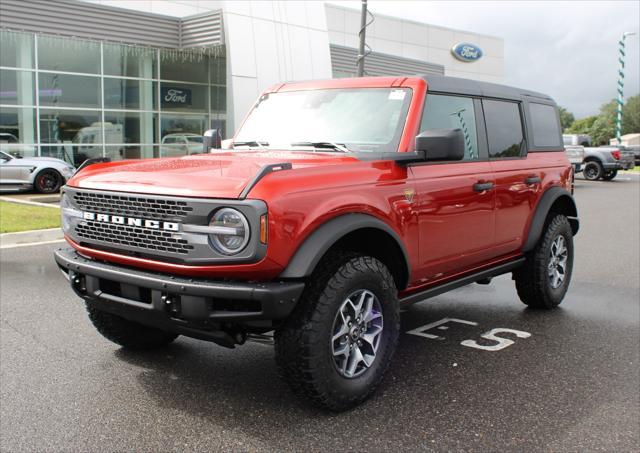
{"type": "Point", "coordinates": [231, 231]}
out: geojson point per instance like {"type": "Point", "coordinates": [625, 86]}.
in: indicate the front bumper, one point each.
{"type": "Point", "coordinates": [192, 307]}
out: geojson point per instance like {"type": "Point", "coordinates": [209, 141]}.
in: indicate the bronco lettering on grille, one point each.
{"type": "Point", "coordinates": [131, 221]}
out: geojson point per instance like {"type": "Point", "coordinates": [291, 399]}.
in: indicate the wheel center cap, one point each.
{"type": "Point", "coordinates": [355, 332]}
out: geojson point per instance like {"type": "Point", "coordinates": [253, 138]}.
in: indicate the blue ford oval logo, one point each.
{"type": "Point", "coordinates": [466, 52]}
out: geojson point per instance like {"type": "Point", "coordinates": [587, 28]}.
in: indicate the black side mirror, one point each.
{"type": "Point", "coordinates": [441, 144]}
{"type": "Point", "coordinates": [212, 139]}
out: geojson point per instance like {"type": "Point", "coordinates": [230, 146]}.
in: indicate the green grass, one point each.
{"type": "Point", "coordinates": [21, 217]}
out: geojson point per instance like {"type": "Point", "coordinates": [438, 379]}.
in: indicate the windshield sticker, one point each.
{"type": "Point", "coordinates": [396, 95]}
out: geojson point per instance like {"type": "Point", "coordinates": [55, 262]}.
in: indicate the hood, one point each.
{"type": "Point", "coordinates": [216, 175]}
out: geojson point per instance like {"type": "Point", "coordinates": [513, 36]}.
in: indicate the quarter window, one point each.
{"type": "Point", "coordinates": [504, 128]}
{"type": "Point", "coordinates": [546, 128]}
{"type": "Point", "coordinates": [452, 112]}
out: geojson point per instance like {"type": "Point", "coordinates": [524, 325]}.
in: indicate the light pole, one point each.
{"type": "Point", "coordinates": [621, 85]}
{"type": "Point", "coordinates": [362, 35]}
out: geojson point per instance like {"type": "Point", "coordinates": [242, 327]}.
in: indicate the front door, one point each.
{"type": "Point", "coordinates": [454, 201]}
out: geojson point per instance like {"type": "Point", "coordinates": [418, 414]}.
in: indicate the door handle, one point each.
{"type": "Point", "coordinates": [532, 180]}
{"type": "Point", "coordinates": [482, 186]}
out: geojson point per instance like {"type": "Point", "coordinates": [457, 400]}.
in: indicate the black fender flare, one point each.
{"type": "Point", "coordinates": [542, 210]}
{"type": "Point", "coordinates": [306, 258]}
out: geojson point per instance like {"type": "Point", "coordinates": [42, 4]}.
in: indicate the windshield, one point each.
{"type": "Point", "coordinates": [358, 119]}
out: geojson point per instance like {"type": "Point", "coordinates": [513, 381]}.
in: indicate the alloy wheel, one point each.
{"type": "Point", "coordinates": [357, 331]}
{"type": "Point", "coordinates": [557, 267]}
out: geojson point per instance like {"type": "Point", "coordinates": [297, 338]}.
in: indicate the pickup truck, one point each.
{"type": "Point", "coordinates": [340, 202]}
{"type": "Point", "coordinates": [576, 155]}
{"type": "Point", "coordinates": [605, 161]}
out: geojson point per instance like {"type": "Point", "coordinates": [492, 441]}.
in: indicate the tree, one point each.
{"type": "Point", "coordinates": [566, 118]}
{"type": "Point", "coordinates": [604, 127]}
{"type": "Point", "coordinates": [583, 125]}
{"type": "Point", "coordinates": [602, 130]}
{"type": "Point", "coordinates": [631, 115]}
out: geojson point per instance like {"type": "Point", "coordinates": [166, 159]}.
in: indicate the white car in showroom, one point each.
{"type": "Point", "coordinates": [44, 174]}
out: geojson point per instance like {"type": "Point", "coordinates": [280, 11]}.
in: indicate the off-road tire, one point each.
{"type": "Point", "coordinates": [609, 175]}
{"type": "Point", "coordinates": [593, 170]}
{"type": "Point", "coordinates": [128, 334]}
{"type": "Point", "coordinates": [303, 347]}
{"type": "Point", "coordinates": [532, 279]}
{"type": "Point", "coordinates": [48, 181]}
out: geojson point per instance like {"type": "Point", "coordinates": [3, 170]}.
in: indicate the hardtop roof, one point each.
{"type": "Point", "coordinates": [456, 85]}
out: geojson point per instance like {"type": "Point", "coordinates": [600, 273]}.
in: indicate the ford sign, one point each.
{"type": "Point", "coordinates": [466, 52]}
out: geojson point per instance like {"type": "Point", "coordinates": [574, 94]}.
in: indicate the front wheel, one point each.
{"type": "Point", "coordinates": [609, 175]}
{"type": "Point", "coordinates": [544, 279]}
{"type": "Point", "coordinates": [338, 342]}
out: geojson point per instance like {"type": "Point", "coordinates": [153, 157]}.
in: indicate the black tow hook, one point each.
{"type": "Point", "coordinates": [78, 282]}
{"type": "Point", "coordinates": [171, 303]}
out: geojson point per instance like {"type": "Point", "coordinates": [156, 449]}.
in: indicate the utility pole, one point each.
{"type": "Point", "coordinates": [621, 85]}
{"type": "Point", "coordinates": [361, 34]}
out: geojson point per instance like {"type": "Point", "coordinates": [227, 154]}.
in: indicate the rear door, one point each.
{"type": "Point", "coordinates": [517, 179]}
{"type": "Point", "coordinates": [455, 215]}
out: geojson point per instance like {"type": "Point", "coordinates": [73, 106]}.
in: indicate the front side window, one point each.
{"type": "Point", "coordinates": [504, 128]}
{"type": "Point", "coordinates": [452, 112]}
{"type": "Point", "coordinates": [546, 127]}
{"type": "Point", "coordinates": [358, 119]}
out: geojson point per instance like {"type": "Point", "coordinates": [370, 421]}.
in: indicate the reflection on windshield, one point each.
{"type": "Point", "coordinates": [361, 119]}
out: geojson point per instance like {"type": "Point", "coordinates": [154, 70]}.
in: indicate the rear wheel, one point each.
{"type": "Point", "coordinates": [544, 279]}
{"type": "Point", "coordinates": [609, 175]}
{"type": "Point", "coordinates": [48, 181]}
{"type": "Point", "coordinates": [128, 334]}
{"type": "Point", "coordinates": [338, 342]}
{"type": "Point", "coordinates": [593, 170]}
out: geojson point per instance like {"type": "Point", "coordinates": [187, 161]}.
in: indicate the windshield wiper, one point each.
{"type": "Point", "coordinates": [326, 145]}
{"type": "Point", "coordinates": [251, 143]}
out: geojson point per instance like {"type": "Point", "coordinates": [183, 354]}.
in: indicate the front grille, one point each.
{"type": "Point", "coordinates": [131, 206]}
{"type": "Point", "coordinates": [142, 238]}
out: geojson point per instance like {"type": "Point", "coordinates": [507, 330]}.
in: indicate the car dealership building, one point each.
{"type": "Point", "coordinates": [133, 79]}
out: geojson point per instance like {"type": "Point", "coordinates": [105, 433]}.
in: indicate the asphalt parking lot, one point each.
{"type": "Point", "coordinates": [570, 384]}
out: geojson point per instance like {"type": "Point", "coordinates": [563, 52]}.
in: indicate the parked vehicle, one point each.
{"type": "Point", "coordinates": [10, 144]}
{"type": "Point", "coordinates": [576, 156]}
{"type": "Point", "coordinates": [605, 161]}
{"type": "Point", "coordinates": [340, 202]}
{"type": "Point", "coordinates": [183, 144]}
{"type": "Point", "coordinates": [635, 149]}
{"type": "Point", "coordinates": [576, 139]}
{"type": "Point", "coordinates": [44, 174]}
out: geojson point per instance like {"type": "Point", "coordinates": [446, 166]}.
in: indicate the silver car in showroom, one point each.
{"type": "Point", "coordinates": [44, 174]}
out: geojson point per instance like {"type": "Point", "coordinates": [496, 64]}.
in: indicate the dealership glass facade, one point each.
{"type": "Point", "coordinates": [75, 99]}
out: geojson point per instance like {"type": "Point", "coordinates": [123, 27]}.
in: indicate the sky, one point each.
{"type": "Point", "coordinates": [566, 49]}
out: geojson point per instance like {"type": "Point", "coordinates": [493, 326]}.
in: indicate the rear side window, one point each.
{"type": "Point", "coordinates": [544, 121]}
{"type": "Point", "coordinates": [504, 128]}
{"type": "Point", "coordinates": [452, 112]}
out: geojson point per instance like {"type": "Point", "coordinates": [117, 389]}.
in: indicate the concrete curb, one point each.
{"type": "Point", "coordinates": [8, 240]}
{"type": "Point", "coordinates": [30, 203]}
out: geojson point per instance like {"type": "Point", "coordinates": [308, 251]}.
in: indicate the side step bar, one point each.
{"type": "Point", "coordinates": [462, 281]}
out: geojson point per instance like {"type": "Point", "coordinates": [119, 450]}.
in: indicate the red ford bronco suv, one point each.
{"type": "Point", "coordinates": [337, 203]}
